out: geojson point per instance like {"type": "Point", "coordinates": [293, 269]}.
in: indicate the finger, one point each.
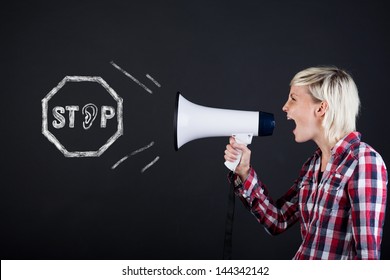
{"type": "Point", "coordinates": [240, 147]}
{"type": "Point", "coordinates": [230, 149]}
{"type": "Point", "coordinates": [232, 153]}
{"type": "Point", "coordinates": [230, 157]}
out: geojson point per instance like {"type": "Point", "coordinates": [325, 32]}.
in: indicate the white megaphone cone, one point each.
{"type": "Point", "coordinates": [192, 121]}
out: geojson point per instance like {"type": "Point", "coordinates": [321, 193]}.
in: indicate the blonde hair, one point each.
{"type": "Point", "coordinates": [337, 88]}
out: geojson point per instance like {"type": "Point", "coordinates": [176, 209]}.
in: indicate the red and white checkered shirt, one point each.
{"type": "Point", "coordinates": [341, 216]}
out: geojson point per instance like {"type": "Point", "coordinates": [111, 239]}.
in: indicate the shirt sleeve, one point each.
{"type": "Point", "coordinates": [277, 216]}
{"type": "Point", "coordinates": [367, 192]}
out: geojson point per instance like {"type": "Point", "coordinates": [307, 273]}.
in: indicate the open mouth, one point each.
{"type": "Point", "coordinates": [293, 121]}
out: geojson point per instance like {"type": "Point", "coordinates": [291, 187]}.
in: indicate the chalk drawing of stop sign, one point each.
{"type": "Point", "coordinates": [82, 116]}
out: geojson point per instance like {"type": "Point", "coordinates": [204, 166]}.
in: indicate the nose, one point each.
{"type": "Point", "coordinates": [285, 108]}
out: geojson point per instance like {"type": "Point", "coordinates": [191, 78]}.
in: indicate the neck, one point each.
{"type": "Point", "coordinates": [326, 148]}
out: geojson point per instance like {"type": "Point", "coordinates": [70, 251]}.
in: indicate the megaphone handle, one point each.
{"type": "Point", "coordinates": [240, 139]}
{"type": "Point", "coordinates": [233, 164]}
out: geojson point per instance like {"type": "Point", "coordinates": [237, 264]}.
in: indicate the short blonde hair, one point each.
{"type": "Point", "coordinates": [337, 88]}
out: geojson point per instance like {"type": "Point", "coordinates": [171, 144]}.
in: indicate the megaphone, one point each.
{"type": "Point", "coordinates": [192, 121]}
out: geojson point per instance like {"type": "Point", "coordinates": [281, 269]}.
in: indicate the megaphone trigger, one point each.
{"type": "Point", "coordinates": [243, 138]}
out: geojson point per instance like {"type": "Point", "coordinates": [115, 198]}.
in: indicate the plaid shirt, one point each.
{"type": "Point", "coordinates": [341, 216]}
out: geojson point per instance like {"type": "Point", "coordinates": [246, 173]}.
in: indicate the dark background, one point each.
{"type": "Point", "coordinates": [226, 54]}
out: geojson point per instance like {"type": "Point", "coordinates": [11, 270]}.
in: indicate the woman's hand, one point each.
{"type": "Point", "coordinates": [232, 152]}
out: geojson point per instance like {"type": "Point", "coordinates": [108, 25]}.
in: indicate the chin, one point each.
{"type": "Point", "coordinates": [300, 139]}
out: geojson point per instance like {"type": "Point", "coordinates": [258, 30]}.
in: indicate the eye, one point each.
{"type": "Point", "coordinates": [292, 97]}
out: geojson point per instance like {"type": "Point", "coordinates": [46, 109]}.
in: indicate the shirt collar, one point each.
{"type": "Point", "coordinates": [343, 144]}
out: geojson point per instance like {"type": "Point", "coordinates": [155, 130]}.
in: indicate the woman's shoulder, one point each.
{"type": "Point", "coordinates": [364, 152]}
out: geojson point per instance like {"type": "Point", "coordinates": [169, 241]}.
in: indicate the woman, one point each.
{"type": "Point", "coordinates": [339, 197]}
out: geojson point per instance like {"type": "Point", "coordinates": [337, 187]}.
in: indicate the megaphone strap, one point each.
{"type": "Point", "coordinates": [227, 247]}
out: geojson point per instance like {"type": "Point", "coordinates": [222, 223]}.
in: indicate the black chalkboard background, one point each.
{"type": "Point", "coordinates": [225, 54]}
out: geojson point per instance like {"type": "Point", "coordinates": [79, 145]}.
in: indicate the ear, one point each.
{"type": "Point", "coordinates": [322, 108]}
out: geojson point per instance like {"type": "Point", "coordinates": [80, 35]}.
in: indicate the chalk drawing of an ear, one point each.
{"type": "Point", "coordinates": [89, 111]}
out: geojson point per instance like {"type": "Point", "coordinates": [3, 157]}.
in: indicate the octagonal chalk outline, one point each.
{"type": "Point", "coordinates": [54, 140]}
